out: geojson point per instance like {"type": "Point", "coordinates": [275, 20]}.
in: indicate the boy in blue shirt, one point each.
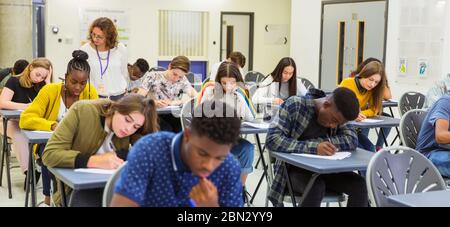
{"type": "Point", "coordinates": [435, 131]}
{"type": "Point", "coordinates": [167, 169]}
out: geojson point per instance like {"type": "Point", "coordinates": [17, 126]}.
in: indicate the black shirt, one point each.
{"type": "Point", "coordinates": [21, 94]}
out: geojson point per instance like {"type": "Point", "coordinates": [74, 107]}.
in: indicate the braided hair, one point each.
{"type": "Point", "coordinates": [79, 62]}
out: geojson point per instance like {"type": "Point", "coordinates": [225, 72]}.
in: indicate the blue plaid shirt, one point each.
{"type": "Point", "coordinates": [293, 118]}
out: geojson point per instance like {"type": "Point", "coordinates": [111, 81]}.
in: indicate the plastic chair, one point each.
{"type": "Point", "coordinates": [195, 80]}
{"type": "Point", "coordinates": [108, 192]}
{"type": "Point", "coordinates": [254, 77]}
{"type": "Point", "coordinates": [410, 125]}
{"type": "Point", "coordinates": [411, 100]}
{"type": "Point", "coordinates": [308, 84]}
{"type": "Point", "coordinates": [186, 113]}
{"type": "Point", "coordinates": [400, 170]}
{"type": "Point", "coordinates": [157, 68]}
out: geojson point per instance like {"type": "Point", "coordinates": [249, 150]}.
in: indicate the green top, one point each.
{"type": "Point", "coordinates": [78, 136]}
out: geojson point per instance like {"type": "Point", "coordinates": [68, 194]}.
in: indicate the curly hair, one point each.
{"type": "Point", "coordinates": [216, 124]}
{"type": "Point", "coordinates": [107, 26]}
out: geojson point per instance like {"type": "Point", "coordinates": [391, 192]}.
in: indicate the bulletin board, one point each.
{"type": "Point", "coordinates": [119, 17]}
{"type": "Point", "coordinates": [421, 41]}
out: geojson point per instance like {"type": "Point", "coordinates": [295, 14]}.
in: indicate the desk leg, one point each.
{"type": "Point", "coordinates": [308, 187]}
{"type": "Point", "coordinates": [63, 194]}
{"type": "Point", "coordinates": [384, 137]}
{"type": "Point", "coordinates": [5, 141]}
{"type": "Point", "coordinates": [29, 176]}
{"type": "Point", "coordinates": [8, 171]}
{"type": "Point", "coordinates": [289, 184]}
{"type": "Point", "coordinates": [261, 157]}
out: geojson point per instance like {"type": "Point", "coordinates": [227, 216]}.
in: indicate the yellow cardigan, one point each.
{"type": "Point", "coordinates": [43, 111]}
{"type": "Point", "coordinates": [365, 100]}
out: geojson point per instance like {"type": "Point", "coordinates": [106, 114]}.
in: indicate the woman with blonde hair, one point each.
{"type": "Point", "coordinates": [369, 87]}
{"type": "Point", "coordinates": [18, 94]}
{"type": "Point", "coordinates": [108, 59]}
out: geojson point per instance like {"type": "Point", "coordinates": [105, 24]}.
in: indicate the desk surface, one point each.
{"type": "Point", "coordinates": [390, 103]}
{"type": "Point", "coordinates": [37, 136]}
{"type": "Point", "coordinates": [80, 180]}
{"type": "Point", "coordinates": [169, 110]}
{"type": "Point", "coordinates": [246, 129]}
{"type": "Point", "coordinates": [359, 160]}
{"type": "Point", "coordinates": [11, 114]}
{"type": "Point", "coordinates": [425, 199]}
{"type": "Point", "coordinates": [387, 122]}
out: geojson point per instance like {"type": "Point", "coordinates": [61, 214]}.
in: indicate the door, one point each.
{"type": "Point", "coordinates": [351, 32]}
{"type": "Point", "coordinates": [237, 35]}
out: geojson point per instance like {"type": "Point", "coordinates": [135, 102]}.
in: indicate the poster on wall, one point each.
{"type": "Point", "coordinates": [119, 17]}
{"type": "Point", "coordinates": [422, 67]}
{"type": "Point", "coordinates": [402, 69]}
{"type": "Point", "coordinates": [276, 34]}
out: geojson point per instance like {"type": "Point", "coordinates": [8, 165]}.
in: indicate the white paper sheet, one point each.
{"type": "Point", "coordinates": [336, 156]}
{"type": "Point", "coordinates": [94, 170]}
{"type": "Point", "coordinates": [369, 120]}
{"type": "Point", "coordinates": [256, 125]}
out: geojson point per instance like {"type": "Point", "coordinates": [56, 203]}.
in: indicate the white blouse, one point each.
{"type": "Point", "coordinates": [268, 90]}
{"type": "Point", "coordinates": [114, 80]}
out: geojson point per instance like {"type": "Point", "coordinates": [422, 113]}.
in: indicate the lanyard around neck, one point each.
{"type": "Point", "coordinates": [102, 72]}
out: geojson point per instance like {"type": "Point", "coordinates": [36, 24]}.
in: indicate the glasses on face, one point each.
{"type": "Point", "coordinates": [95, 36]}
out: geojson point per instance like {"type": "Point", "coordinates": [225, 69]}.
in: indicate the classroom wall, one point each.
{"type": "Point", "coordinates": [305, 30]}
{"type": "Point", "coordinates": [15, 31]}
{"type": "Point", "coordinates": [143, 21]}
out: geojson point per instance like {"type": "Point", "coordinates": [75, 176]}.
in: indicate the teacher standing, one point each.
{"type": "Point", "coordinates": [107, 58]}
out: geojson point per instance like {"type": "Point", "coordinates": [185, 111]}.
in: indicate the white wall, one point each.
{"type": "Point", "coordinates": [144, 27]}
{"type": "Point", "coordinates": [305, 30]}
{"type": "Point", "coordinates": [305, 33]}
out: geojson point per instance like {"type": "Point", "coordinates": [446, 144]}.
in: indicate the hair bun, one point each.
{"type": "Point", "coordinates": [80, 55]}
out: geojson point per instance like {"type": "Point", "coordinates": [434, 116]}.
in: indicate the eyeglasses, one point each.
{"type": "Point", "coordinates": [95, 36]}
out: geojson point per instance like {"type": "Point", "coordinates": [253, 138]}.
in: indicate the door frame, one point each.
{"type": "Point", "coordinates": [351, 1]}
{"type": "Point", "coordinates": [251, 35]}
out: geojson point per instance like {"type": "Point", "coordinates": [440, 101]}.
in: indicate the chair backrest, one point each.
{"type": "Point", "coordinates": [411, 100]}
{"type": "Point", "coordinates": [157, 68]}
{"type": "Point", "coordinates": [186, 113]}
{"type": "Point", "coordinates": [254, 76]}
{"type": "Point", "coordinates": [108, 192]}
{"type": "Point", "coordinates": [410, 125]}
{"type": "Point", "coordinates": [400, 170]}
{"type": "Point", "coordinates": [192, 78]}
{"type": "Point", "coordinates": [306, 83]}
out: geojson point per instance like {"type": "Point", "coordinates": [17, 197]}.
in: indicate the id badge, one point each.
{"type": "Point", "coordinates": [101, 89]}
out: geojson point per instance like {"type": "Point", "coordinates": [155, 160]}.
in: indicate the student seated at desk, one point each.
{"type": "Point", "coordinates": [438, 89]}
{"type": "Point", "coordinates": [369, 86]}
{"type": "Point", "coordinates": [435, 131]}
{"type": "Point", "coordinates": [229, 88]}
{"type": "Point", "coordinates": [53, 101]}
{"type": "Point", "coordinates": [167, 88]}
{"type": "Point", "coordinates": [170, 170]}
{"type": "Point", "coordinates": [236, 57]}
{"type": "Point", "coordinates": [136, 74]}
{"type": "Point", "coordinates": [280, 84]}
{"type": "Point", "coordinates": [98, 134]}
{"type": "Point", "coordinates": [17, 69]}
{"type": "Point", "coordinates": [17, 94]}
{"type": "Point", "coordinates": [316, 126]}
